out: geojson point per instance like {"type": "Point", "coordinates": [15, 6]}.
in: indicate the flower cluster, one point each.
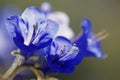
{"type": "Point", "coordinates": [38, 30]}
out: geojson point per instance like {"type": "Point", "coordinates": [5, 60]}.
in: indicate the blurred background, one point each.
{"type": "Point", "coordinates": [105, 15]}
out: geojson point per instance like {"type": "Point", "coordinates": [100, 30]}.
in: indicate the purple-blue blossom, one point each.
{"type": "Point", "coordinates": [60, 56]}
{"type": "Point", "coordinates": [88, 43]}
{"type": "Point", "coordinates": [31, 30]}
{"type": "Point", "coordinates": [59, 17]}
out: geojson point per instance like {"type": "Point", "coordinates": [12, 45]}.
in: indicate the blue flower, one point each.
{"type": "Point", "coordinates": [88, 43]}
{"type": "Point", "coordinates": [59, 17]}
{"type": "Point", "coordinates": [32, 30]}
{"type": "Point", "coordinates": [60, 55]}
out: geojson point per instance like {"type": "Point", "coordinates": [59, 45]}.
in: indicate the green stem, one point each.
{"type": "Point", "coordinates": [36, 72]}
{"type": "Point", "coordinates": [9, 73]}
{"type": "Point", "coordinates": [17, 66]}
{"type": "Point", "coordinates": [16, 71]}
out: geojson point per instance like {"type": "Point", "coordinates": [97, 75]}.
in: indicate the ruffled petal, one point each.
{"type": "Point", "coordinates": [12, 26]}
{"type": "Point", "coordinates": [94, 47]}
{"type": "Point", "coordinates": [62, 42]}
{"type": "Point", "coordinates": [31, 15]}
{"type": "Point", "coordinates": [86, 25]}
{"type": "Point", "coordinates": [47, 31]}
{"type": "Point", "coordinates": [63, 20]}
{"type": "Point", "coordinates": [64, 49]}
{"type": "Point", "coordinates": [23, 27]}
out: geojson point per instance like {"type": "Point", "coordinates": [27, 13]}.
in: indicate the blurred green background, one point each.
{"type": "Point", "coordinates": [105, 14]}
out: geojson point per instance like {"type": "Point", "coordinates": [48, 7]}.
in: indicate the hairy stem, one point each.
{"type": "Point", "coordinates": [18, 66]}
{"type": "Point", "coordinates": [9, 73]}
{"type": "Point", "coordinates": [36, 72]}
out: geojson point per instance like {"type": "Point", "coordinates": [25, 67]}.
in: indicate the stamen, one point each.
{"type": "Point", "coordinates": [61, 50]}
{"type": "Point", "coordinates": [64, 45]}
{"type": "Point", "coordinates": [102, 35]}
{"type": "Point", "coordinates": [77, 49]}
{"type": "Point", "coordinates": [34, 27]}
{"type": "Point", "coordinates": [69, 50]}
{"type": "Point", "coordinates": [74, 44]}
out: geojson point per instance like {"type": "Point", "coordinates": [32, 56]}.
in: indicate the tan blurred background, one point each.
{"type": "Point", "coordinates": [105, 14]}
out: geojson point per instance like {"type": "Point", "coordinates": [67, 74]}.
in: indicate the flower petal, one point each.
{"type": "Point", "coordinates": [63, 20]}
{"type": "Point", "coordinates": [48, 29]}
{"type": "Point", "coordinates": [31, 15]}
{"type": "Point", "coordinates": [12, 26]}
{"type": "Point", "coordinates": [86, 25]}
{"type": "Point", "coordinates": [94, 47]}
{"type": "Point", "coordinates": [23, 27]}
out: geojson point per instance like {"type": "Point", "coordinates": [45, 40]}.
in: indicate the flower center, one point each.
{"type": "Point", "coordinates": [72, 49]}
